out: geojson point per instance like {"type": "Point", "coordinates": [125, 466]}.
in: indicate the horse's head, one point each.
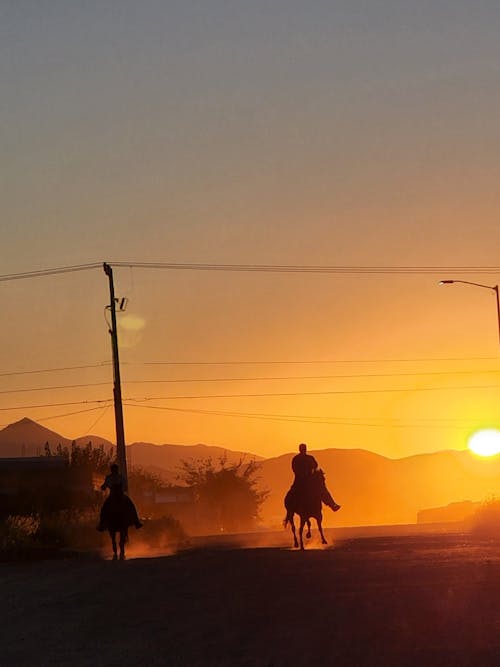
{"type": "Point", "coordinates": [319, 479]}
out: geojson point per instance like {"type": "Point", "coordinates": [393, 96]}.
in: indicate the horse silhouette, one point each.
{"type": "Point", "coordinates": [305, 501]}
{"type": "Point", "coordinates": [117, 515]}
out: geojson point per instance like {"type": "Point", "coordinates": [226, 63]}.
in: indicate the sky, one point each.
{"type": "Point", "coordinates": [344, 133]}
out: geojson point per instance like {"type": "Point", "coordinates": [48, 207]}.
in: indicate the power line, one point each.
{"type": "Point", "coordinates": [311, 377]}
{"type": "Point", "coordinates": [54, 388]}
{"type": "Point", "coordinates": [76, 412]}
{"type": "Point", "coordinates": [301, 419]}
{"type": "Point", "coordinates": [104, 410]}
{"type": "Point", "coordinates": [53, 405]}
{"type": "Point", "coordinates": [315, 393]}
{"type": "Point", "coordinates": [55, 370]}
{"type": "Point", "coordinates": [104, 364]}
{"type": "Point", "coordinates": [262, 268]}
{"type": "Point", "coordinates": [317, 361]}
{"type": "Point", "coordinates": [289, 268]}
{"type": "Point", "coordinates": [249, 379]}
{"type": "Point", "coordinates": [240, 395]}
{"type": "Point", "coordinates": [253, 395]}
{"type": "Point", "coordinates": [49, 272]}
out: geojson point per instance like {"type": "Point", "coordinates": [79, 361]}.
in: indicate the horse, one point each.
{"type": "Point", "coordinates": [306, 502]}
{"type": "Point", "coordinates": [117, 515]}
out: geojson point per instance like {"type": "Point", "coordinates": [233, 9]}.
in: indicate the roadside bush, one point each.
{"type": "Point", "coordinates": [486, 520]}
{"type": "Point", "coordinates": [34, 536]}
{"type": "Point", "coordinates": [74, 531]}
{"type": "Point", "coordinates": [70, 529]}
{"type": "Point", "coordinates": [18, 533]}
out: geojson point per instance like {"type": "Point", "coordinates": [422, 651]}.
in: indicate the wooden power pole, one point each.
{"type": "Point", "coordinates": [121, 454]}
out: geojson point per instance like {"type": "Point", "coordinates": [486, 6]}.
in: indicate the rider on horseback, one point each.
{"type": "Point", "coordinates": [304, 465]}
{"type": "Point", "coordinates": [117, 498]}
{"type": "Point", "coordinates": [114, 482]}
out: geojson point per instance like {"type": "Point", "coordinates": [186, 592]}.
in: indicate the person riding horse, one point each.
{"type": "Point", "coordinates": [306, 495]}
{"type": "Point", "coordinates": [304, 465]}
{"type": "Point", "coordinates": [117, 503]}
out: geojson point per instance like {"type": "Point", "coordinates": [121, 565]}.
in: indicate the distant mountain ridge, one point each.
{"type": "Point", "coordinates": [28, 438]}
{"type": "Point", "coordinates": [375, 490]}
{"type": "Point", "coordinates": [371, 488]}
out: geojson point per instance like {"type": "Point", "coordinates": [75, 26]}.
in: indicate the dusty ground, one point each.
{"type": "Point", "coordinates": [404, 600]}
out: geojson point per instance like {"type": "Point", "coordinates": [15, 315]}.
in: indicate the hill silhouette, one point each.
{"type": "Point", "coordinates": [28, 438]}
{"type": "Point", "coordinates": [371, 488]}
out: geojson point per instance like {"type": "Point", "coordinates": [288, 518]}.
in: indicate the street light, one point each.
{"type": "Point", "coordinates": [494, 288]}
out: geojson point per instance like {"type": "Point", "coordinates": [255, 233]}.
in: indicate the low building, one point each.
{"type": "Point", "coordinates": [41, 483]}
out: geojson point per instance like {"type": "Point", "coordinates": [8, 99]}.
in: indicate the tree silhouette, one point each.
{"type": "Point", "coordinates": [93, 459]}
{"type": "Point", "coordinates": [226, 493]}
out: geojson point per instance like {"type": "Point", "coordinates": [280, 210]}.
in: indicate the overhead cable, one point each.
{"type": "Point", "coordinates": [308, 361]}
{"type": "Point", "coordinates": [55, 370]}
{"type": "Point", "coordinates": [295, 268]}
{"type": "Point", "coordinates": [286, 418]}
{"type": "Point", "coordinates": [54, 405]}
{"type": "Point", "coordinates": [316, 393]}
{"type": "Point", "coordinates": [262, 268]}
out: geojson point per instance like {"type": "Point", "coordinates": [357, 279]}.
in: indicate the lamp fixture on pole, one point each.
{"type": "Point", "coordinates": [493, 288]}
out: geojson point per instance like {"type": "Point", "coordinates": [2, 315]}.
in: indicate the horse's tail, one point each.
{"type": "Point", "coordinates": [288, 518]}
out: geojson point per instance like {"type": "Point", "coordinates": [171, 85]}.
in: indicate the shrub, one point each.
{"type": "Point", "coordinates": [486, 520]}
{"type": "Point", "coordinates": [18, 531]}
{"type": "Point", "coordinates": [60, 533]}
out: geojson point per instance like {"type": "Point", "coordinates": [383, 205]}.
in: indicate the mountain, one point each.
{"type": "Point", "coordinates": [371, 488]}
{"type": "Point", "coordinates": [27, 438]}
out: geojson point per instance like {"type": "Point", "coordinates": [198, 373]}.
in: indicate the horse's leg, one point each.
{"type": "Point", "coordinates": [112, 534]}
{"type": "Point", "coordinates": [301, 532]}
{"type": "Point", "coordinates": [123, 539]}
{"type": "Point", "coordinates": [292, 524]}
{"type": "Point", "coordinates": [308, 534]}
{"type": "Point", "coordinates": [319, 520]}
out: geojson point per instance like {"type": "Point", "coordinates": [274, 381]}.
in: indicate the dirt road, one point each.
{"type": "Point", "coordinates": [416, 600]}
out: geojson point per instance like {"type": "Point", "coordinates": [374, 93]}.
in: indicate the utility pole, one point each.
{"type": "Point", "coordinates": [121, 454]}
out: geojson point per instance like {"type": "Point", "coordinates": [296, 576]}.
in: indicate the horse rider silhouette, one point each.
{"type": "Point", "coordinates": [114, 482]}
{"type": "Point", "coordinates": [304, 465]}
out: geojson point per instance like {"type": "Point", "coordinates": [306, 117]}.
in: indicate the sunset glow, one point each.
{"type": "Point", "coordinates": [485, 442]}
{"type": "Point", "coordinates": [279, 189]}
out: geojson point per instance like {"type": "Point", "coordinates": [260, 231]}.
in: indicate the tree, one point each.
{"type": "Point", "coordinates": [94, 459]}
{"type": "Point", "coordinates": [84, 464]}
{"type": "Point", "coordinates": [226, 493]}
{"type": "Point", "coordinates": [144, 485]}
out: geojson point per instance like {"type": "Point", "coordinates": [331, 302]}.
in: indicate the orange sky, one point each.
{"type": "Point", "coordinates": [328, 135]}
{"type": "Point", "coordinates": [337, 392]}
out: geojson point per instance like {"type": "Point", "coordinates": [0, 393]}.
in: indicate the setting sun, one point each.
{"type": "Point", "coordinates": [485, 442]}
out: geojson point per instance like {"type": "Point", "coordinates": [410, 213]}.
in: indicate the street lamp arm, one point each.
{"type": "Point", "coordinates": [468, 282]}
{"type": "Point", "coordinates": [494, 288]}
